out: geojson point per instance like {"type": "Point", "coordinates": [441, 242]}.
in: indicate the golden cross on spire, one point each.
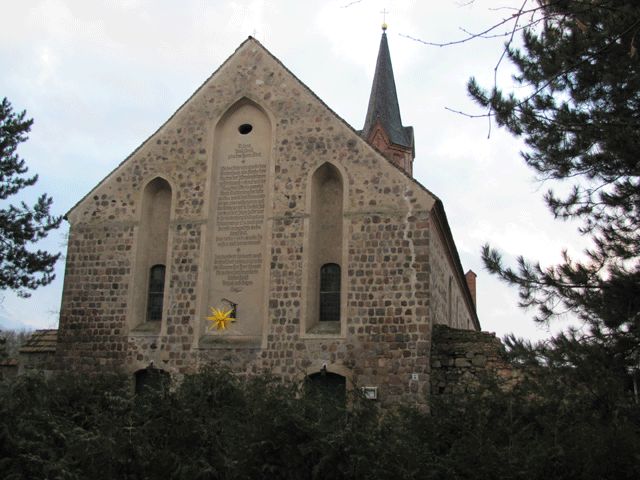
{"type": "Point", "coordinates": [384, 19]}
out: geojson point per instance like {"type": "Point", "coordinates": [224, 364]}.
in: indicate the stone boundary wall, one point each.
{"type": "Point", "coordinates": [460, 359]}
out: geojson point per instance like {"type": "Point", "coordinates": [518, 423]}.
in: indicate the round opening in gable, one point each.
{"type": "Point", "coordinates": [245, 128]}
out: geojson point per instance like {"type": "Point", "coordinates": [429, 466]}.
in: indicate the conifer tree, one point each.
{"type": "Point", "coordinates": [579, 116]}
{"type": "Point", "coordinates": [21, 268]}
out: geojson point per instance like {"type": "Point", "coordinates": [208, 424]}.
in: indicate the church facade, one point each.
{"type": "Point", "coordinates": [255, 199]}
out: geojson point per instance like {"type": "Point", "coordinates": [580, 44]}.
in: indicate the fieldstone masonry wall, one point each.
{"type": "Point", "coordinates": [461, 358]}
{"type": "Point", "coordinates": [447, 305]}
{"type": "Point", "coordinates": [394, 256]}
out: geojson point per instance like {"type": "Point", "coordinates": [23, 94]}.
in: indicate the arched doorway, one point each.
{"type": "Point", "coordinates": [151, 379]}
{"type": "Point", "coordinates": [330, 385]}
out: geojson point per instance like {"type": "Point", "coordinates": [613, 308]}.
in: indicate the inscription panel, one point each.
{"type": "Point", "coordinates": [241, 198]}
{"type": "Point", "coordinates": [237, 223]}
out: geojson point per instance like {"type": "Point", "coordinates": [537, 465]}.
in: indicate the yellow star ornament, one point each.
{"type": "Point", "coordinates": [220, 319]}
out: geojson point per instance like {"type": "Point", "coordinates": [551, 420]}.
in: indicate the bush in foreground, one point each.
{"type": "Point", "coordinates": [217, 426]}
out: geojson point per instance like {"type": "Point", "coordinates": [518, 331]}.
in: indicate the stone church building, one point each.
{"type": "Point", "coordinates": [256, 198]}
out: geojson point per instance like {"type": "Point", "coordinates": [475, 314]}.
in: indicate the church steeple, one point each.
{"type": "Point", "coordinates": [383, 126]}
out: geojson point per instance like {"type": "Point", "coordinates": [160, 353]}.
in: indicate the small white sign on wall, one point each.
{"type": "Point", "coordinates": [370, 393]}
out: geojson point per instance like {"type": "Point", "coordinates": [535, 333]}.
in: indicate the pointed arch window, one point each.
{"type": "Point", "coordinates": [155, 296]}
{"type": "Point", "coordinates": [151, 256]}
{"type": "Point", "coordinates": [325, 302]}
{"type": "Point", "coordinates": [330, 292]}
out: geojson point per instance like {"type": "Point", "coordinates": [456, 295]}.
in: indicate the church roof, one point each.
{"type": "Point", "coordinates": [383, 102]}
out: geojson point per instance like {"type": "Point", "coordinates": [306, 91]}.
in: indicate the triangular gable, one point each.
{"type": "Point", "coordinates": [438, 211]}
{"type": "Point", "coordinates": [250, 41]}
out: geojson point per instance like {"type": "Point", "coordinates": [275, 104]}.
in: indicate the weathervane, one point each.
{"type": "Point", "coordinates": [384, 19]}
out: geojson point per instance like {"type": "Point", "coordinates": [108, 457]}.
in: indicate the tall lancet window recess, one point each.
{"type": "Point", "coordinates": [325, 262]}
{"type": "Point", "coordinates": [330, 293]}
{"type": "Point", "coordinates": [155, 295]}
{"type": "Point", "coordinates": [151, 256]}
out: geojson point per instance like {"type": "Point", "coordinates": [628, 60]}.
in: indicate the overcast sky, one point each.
{"type": "Point", "coordinates": [99, 77]}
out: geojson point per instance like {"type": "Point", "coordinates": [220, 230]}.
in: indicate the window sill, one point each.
{"type": "Point", "coordinates": [146, 328]}
{"type": "Point", "coordinates": [225, 342]}
{"type": "Point", "coordinates": [324, 330]}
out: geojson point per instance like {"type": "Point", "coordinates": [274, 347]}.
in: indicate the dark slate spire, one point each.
{"type": "Point", "coordinates": [383, 102]}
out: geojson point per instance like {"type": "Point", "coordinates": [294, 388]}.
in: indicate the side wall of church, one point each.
{"type": "Point", "coordinates": [390, 256]}
{"type": "Point", "coordinates": [447, 302]}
